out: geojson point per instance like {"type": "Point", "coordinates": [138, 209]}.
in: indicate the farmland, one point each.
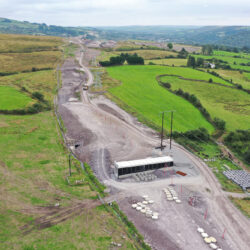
{"type": "Point", "coordinates": [235, 63]}
{"type": "Point", "coordinates": [229, 104]}
{"type": "Point", "coordinates": [145, 53]}
{"type": "Point", "coordinates": [169, 62]}
{"type": "Point", "coordinates": [237, 77]}
{"type": "Point", "coordinates": [139, 84]}
{"type": "Point", "coordinates": [11, 98]}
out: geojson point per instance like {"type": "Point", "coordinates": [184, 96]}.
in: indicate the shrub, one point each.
{"type": "Point", "coordinates": [219, 123]}
{"type": "Point", "coordinates": [37, 95]}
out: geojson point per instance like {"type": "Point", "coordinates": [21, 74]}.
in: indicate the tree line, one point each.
{"type": "Point", "coordinates": [131, 59]}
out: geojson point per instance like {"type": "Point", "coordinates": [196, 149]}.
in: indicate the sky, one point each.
{"type": "Point", "coordinates": [128, 12]}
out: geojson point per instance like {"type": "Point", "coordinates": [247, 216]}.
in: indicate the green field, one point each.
{"type": "Point", "coordinates": [169, 62]}
{"type": "Point", "coordinates": [146, 54]}
{"type": "Point", "coordinates": [231, 105]}
{"type": "Point", "coordinates": [10, 99]}
{"type": "Point", "coordinates": [141, 92]}
{"type": "Point", "coordinates": [237, 77]}
{"type": "Point", "coordinates": [231, 54]}
{"type": "Point", "coordinates": [233, 62]}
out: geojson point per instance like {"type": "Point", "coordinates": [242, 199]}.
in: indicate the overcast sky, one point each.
{"type": "Point", "coordinates": [128, 12]}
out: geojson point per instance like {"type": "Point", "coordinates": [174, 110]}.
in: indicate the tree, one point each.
{"type": "Point", "coordinates": [207, 50]}
{"type": "Point", "coordinates": [170, 45]}
{"type": "Point", "coordinates": [199, 62]}
{"type": "Point", "coordinates": [219, 123]}
{"type": "Point", "coordinates": [182, 54]}
{"type": "Point", "coordinates": [191, 62]}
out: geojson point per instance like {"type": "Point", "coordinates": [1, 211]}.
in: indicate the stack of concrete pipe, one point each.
{"type": "Point", "coordinates": [144, 208]}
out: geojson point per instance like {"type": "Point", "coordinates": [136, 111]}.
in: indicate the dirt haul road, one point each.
{"type": "Point", "coordinates": [106, 133]}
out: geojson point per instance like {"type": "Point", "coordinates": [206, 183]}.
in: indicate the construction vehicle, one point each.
{"type": "Point", "coordinates": [85, 87]}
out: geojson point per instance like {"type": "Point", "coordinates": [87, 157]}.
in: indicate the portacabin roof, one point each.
{"type": "Point", "coordinates": [142, 162]}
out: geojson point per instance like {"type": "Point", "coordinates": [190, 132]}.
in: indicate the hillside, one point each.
{"type": "Point", "coordinates": [8, 26]}
{"type": "Point", "coordinates": [235, 36]}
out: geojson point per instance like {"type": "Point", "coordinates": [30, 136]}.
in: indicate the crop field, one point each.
{"type": "Point", "coordinates": [26, 43]}
{"type": "Point", "coordinates": [231, 105]}
{"type": "Point", "coordinates": [169, 62]}
{"type": "Point", "coordinates": [18, 62]}
{"type": "Point", "coordinates": [141, 92]}
{"type": "Point", "coordinates": [10, 98]}
{"type": "Point", "coordinates": [233, 62]}
{"type": "Point", "coordinates": [237, 77]}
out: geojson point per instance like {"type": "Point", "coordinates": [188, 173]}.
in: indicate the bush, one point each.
{"type": "Point", "coordinates": [210, 80]}
{"type": "Point", "coordinates": [219, 123]}
{"type": "Point", "coordinates": [37, 95]}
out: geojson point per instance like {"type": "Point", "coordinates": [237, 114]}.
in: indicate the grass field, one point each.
{"type": "Point", "coordinates": [242, 204]}
{"type": "Point", "coordinates": [237, 77]}
{"type": "Point", "coordinates": [231, 105]}
{"type": "Point", "coordinates": [33, 167]}
{"type": "Point", "coordinates": [233, 62]}
{"type": "Point", "coordinates": [18, 62]}
{"type": "Point", "coordinates": [169, 62]}
{"type": "Point", "coordinates": [26, 43]}
{"type": "Point", "coordinates": [41, 81]}
{"type": "Point", "coordinates": [146, 54]}
{"type": "Point", "coordinates": [10, 98]}
{"type": "Point", "coordinates": [141, 92]}
{"type": "Point", "coordinates": [231, 54]}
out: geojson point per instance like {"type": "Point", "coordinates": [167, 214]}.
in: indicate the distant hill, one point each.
{"type": "Point", "coordinates": [235, 36]}
{"type": "Point", "coordinates": [9, 26]}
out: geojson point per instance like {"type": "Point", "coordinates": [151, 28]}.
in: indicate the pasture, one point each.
{"type": "Point", "coordinates": [231, 54]}
{"type": "Point", "coordinates": [231, 105]}
{"type": "Point", "coordinates": [10, 99]}
{"type": "Point", "coordinates": [236, 76]}
{"type": "Point", "coordinates": [27, 43]}
{"type": "Point", "coordinates": [19, 62]}
{"type": "Point", "coordinates": [140, 91]}
{"type": "Point", "coordinates": [235, 63]}
{"type": "Point", "coordinates": [41, 81]}
{"type": "Point", "coordinates": [168, 61]}
{"type": "Point", "coordinates": [145, 53]}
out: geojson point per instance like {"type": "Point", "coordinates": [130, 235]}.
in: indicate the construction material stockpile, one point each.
{"type": "Point", "coordinates": [210, 240]}
{"type": "Point", "coordinates": [144, 208]}
{"type": "Point", "coordinates": [240, 177]}
{"type": "Point", "coordinates": [171, 194]}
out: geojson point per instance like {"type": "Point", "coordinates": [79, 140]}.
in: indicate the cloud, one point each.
{"type": "Point", "coordinates": [128, 12]}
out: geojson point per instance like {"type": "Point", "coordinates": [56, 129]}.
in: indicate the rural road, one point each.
{"type": "Point", "coordinates": [109, 134]}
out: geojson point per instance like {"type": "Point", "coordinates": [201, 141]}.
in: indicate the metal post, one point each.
{"type": "Point", "coordinates": [171, 129]}
{"type": "Point", "coordinates": [69, 165]}
{"type": "Point", "coordinates": [162, 130]}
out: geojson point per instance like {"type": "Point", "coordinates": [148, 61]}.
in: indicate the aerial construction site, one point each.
{"type": "Point", "coordinates": [171, 196]}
